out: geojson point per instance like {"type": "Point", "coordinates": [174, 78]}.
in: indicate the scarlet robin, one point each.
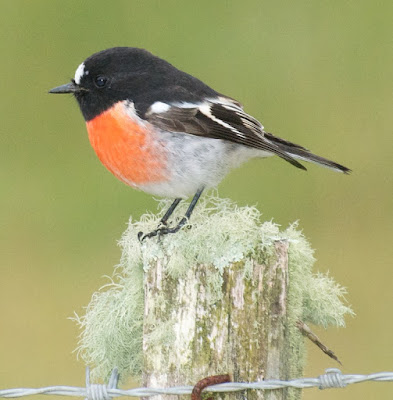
{"type": "Point", "coordinates": [165, 132]}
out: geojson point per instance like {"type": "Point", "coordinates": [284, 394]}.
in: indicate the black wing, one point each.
{"type": "Point", "coordinates": [219, 118]}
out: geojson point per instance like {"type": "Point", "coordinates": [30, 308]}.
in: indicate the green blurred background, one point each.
{"type": "Point", "coordinates": [317, 73]}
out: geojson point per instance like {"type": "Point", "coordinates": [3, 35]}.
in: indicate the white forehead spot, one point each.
{"type": "Point", "coordinates": [159, 107]}
{"type": "Point", "coordinates": [80, 71]}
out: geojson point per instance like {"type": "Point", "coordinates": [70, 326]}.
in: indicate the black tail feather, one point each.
{"type": "Point", "coordinates": [302, 153]}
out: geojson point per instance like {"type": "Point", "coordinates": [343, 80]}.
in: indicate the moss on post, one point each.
{"type": "Point", "coordinates": [222, 297]}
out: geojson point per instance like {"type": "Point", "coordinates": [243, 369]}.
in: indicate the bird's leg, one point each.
{"type": "Point", "coordinates": [187, 215]}
{"type": "Point", "coordinates": [165, 230]}
{"type": "Point", "coordinates": [169, 212]}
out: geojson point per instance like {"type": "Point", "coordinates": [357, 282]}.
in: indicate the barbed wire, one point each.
{"type": "Point", "coordinates": [333, 378]}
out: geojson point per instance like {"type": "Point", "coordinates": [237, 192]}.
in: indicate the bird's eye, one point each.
{"type": "Point", "coordinates": [100, 81]}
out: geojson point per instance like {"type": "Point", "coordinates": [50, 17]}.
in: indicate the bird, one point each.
{"type": "Point", "coordinates": [165, 132]}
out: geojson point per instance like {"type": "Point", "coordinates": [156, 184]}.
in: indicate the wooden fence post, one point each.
{"type": "Point", "coordinates": [241, 331]}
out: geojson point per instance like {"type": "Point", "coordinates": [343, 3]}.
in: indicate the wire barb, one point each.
{"type": "Point", "coordinates": [96, 391]}
{"type": "Point", "coordinates": [333, 378]}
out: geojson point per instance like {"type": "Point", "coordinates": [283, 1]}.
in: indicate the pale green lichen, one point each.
{"type": "Point", "coordinates": [222, 233]}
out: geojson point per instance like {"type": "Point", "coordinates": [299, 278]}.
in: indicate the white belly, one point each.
{"type": "Point", "coordinates": [195, 162]}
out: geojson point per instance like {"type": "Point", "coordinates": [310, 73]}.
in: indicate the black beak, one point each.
{"type": "Point", "coordinates": [67, 88]}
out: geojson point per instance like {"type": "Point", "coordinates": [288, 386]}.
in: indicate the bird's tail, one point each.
{"type": "Point", "coordinates": [299, 152]}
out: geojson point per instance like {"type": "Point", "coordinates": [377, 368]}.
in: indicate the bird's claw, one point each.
{"type": "Point", "coordinates": [162, 230]}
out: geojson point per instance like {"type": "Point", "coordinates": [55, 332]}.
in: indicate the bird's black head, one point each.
{"type": "Point", "coordinates": [129, 73]}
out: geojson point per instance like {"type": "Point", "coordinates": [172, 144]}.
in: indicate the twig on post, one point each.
{"type": "Point", "coordinates": [306, 331]}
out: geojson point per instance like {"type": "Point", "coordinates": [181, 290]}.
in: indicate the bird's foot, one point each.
{"type": "Point", "coordinates": [163, 229]}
